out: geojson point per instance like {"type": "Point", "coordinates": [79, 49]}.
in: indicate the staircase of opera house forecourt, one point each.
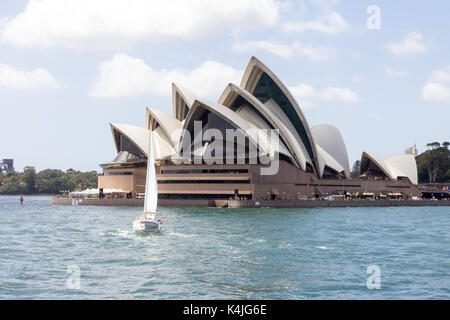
{"type": "Point", "coordinates": [253, 204]}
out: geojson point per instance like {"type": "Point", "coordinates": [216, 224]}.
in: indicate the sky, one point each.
{"type": "Point", "coordinates": [377, 70]}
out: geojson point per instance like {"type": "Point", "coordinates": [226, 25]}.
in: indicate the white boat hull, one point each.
{"type": "Point", "coordinates": [148, 222]}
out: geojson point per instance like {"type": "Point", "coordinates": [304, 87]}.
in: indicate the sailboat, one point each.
{"type": "Point", "coordinates": [149, 220]}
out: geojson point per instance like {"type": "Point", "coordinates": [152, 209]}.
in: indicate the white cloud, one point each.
{"type": "Point", "coordinates": [413, 43]}
{"type": "Point", "coordinates": [112, 23]}
{"type": "Point", "coordinates": [305, 94]}
{"type": "Point", "coordinates": [392, 73]}
{"type": "Point", "coordinates": [125, 76]}
{"type": "Point", "coordinates": [330, 23]}
{"type": "Point", "coordinates": [441, 75]}
{"type": "Point", "coordinates": [436, 89]}
{"type": "Point", "coordinates": [436, 92]}
{"type": "Point", "coordinates": [20, 79]}
{"type": "Point", "coordinates": [314, 53]}
{"type": "Point", "coordinates": [308, 96]}
{"type": "Point", "coordinates": [340, 94]}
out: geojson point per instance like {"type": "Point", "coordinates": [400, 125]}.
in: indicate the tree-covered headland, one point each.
{"type": "Point", "coordinates": [49, 181]}
{"type": "Point", "coordinates": [433, 165]}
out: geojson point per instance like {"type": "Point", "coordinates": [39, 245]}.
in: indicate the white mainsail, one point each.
{"type": "Point", "coordinates": [151, 189]}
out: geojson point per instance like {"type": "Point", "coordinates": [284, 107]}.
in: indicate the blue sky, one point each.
{"type": "Point", "coordinates": [68, 68]}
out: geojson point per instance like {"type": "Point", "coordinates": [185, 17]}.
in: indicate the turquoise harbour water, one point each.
{"type": "Point", "coordinates": [211, 253]}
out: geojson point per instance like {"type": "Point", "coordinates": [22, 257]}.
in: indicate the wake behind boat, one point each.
{"type": "Point", "coordinates": [149, 220]}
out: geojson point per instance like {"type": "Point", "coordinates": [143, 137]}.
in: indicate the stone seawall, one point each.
{"type": "Point", "coordinates": [335, 203]}
{"type": "Point", "coordinates": [140, 202]}
{"type": "Point", "coordinates": [254, 204]}
{"type": "Point", "coordinates": [99, 202]}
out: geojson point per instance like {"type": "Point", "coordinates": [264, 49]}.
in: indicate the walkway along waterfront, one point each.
{"type": "Point", "coordinates": [254, 204]}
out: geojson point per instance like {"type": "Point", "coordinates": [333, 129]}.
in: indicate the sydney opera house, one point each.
{"type": "Point", "coordinates": [310, 161]}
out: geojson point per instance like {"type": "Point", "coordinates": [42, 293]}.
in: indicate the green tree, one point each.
{"type": "Point", "coordinates": [446, 144]}
{"type": "Point", "coordinates": [433, 165]}
{"type": "Point", "coordinates": [447, 176]}
{"type": "Point", "coordinates": [354, 174]}
{"type": "Point", "coordinates": [29, 177]}
{"type": "Point", "coordinates": [435, 145]}
{"type": "Point", "coordinates": [12, 184]}
{"type": "Point", "coordinates": [49, 181]}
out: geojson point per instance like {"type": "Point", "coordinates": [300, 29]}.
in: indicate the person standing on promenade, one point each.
{"type": "Point", "coordinates": [21, 199]}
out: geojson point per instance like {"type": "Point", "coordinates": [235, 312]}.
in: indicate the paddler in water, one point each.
{"type": "Point", "coordinates": [21, 199]}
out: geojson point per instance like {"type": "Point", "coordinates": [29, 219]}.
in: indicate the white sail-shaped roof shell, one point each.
{"type": "Point", "coordinates": [327, 160]}
{"type": "Point", "coordinates": [330, 140]}
{"type": "Point", "coordinates": [403, 165]}
{"type": "Point", "coordinates": [276, 118]}
{"type": "Point", "coordinates": [248, 114]}
{"type": "Point", "coordinates": [170, 125]}
{"type": "Point", "coordinates": [162, 147]}
{"type": "Point", "coordinates": [254, 71]}
{"type": "Point", "coordinates": [182, 98]}
{"type": "Point", "coordinates": [249, 128]}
